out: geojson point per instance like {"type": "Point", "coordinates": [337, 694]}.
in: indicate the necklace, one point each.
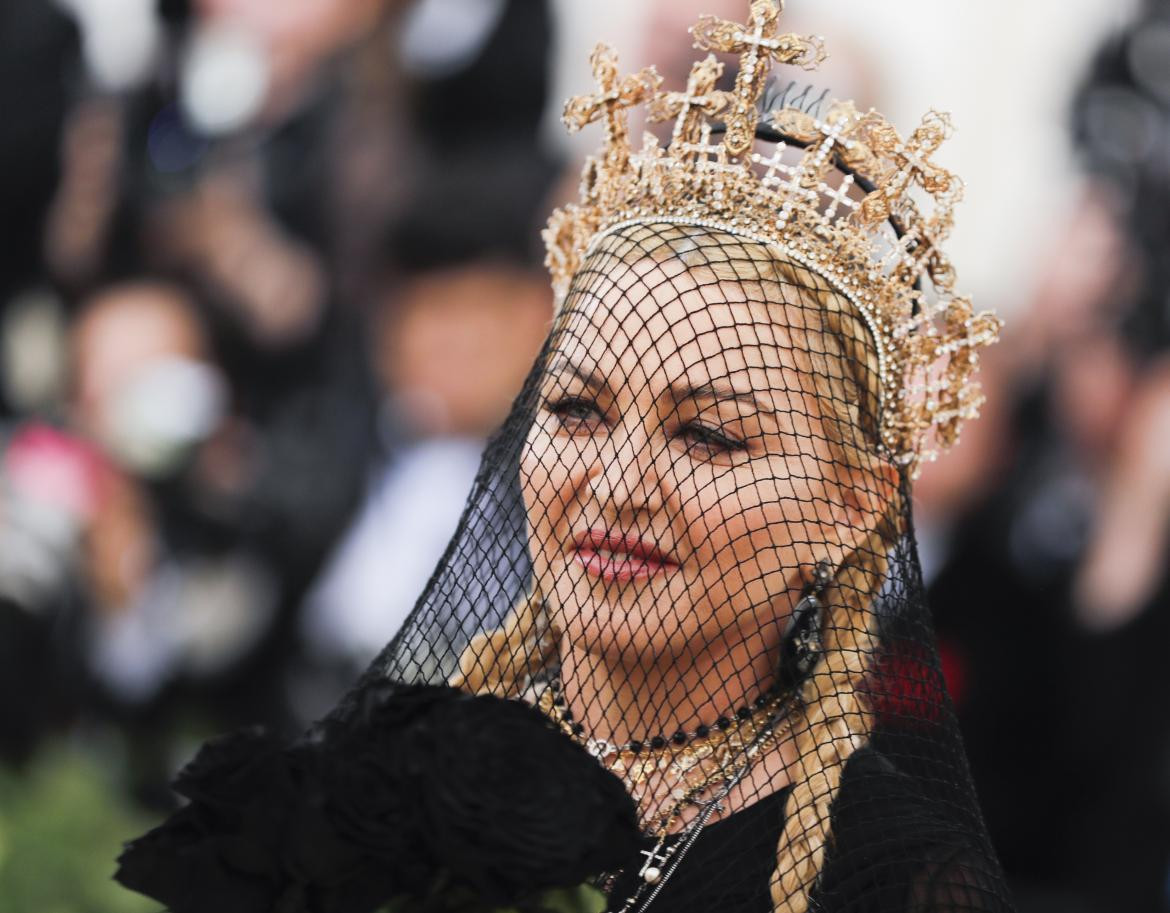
{"type": "Point", "coordinates": [557, 706]}
{"type": "Point", "coordinates": [711, 760]}
{"type": "Point", "coordinates": [665, 856]}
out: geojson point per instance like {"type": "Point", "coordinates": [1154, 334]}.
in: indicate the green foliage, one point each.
{"type": "Point", "coordinates": [583, 899]}
{"type": "Point", "coordinates": [62, 824]}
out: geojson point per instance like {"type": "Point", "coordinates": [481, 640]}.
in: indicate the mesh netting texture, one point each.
{"type": "Point", "coordinates": [687, 547]}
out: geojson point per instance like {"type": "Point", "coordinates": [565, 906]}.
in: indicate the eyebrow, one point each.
{"type": "Point", "coordinates": [719, 391]}
{"type": "Point", "coordinates": [562, 365]}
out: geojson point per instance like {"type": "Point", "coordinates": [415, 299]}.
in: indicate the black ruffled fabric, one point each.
{"type": "Point", "coordinates": [420, 791]}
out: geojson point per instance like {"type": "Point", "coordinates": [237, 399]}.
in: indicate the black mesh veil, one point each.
{"type": "Point", "coordinates": [687, 547]}
{"type": "Point", "coordinates": [689, 550]}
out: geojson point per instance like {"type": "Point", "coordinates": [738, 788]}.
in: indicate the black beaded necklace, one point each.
{"type": "Point", "coordinates": [656, 743]}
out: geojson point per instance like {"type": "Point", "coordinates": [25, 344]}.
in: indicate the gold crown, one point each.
{"type": "Point", "coordinates": [845, 196]}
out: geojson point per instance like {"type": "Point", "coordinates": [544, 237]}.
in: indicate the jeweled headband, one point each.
{"type": "Point", "coordinates": [845, 196]}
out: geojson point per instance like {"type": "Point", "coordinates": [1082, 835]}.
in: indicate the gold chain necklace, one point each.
{"type": "Point", "coordinates": [689, 771]}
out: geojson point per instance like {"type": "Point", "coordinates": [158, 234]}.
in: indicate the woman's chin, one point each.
{"type": "Point", "coordinates": [625, 620]}
{"type": "Point", "coordinates": [624, 632]}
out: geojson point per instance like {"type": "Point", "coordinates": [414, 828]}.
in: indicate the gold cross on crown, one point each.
{"type": "Point", "coordinates": [690, 107]}
{"type": "Point", "coordinates": [758, 43]}
{"type": "Point", "coordinates": [616, 95]}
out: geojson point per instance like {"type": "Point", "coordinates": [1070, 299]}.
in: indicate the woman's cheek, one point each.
{"type": "Point", "coordinates": [723, 504]}
{"type": "Point", "coordinates": [713, 512]}
{"type": "Point", "coordinates": [555, 481]}
{"type": "Point", "coordinates": [539, 488]}
{"type": "Point", "coordinates": [751, 533]}
{"type": "Point", "coordinates": [575, 461]}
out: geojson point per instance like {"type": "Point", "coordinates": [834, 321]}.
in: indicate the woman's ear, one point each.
{"type": "Point", "coordinates": [865, 498]}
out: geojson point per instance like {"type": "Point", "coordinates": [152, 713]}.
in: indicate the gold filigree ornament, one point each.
{"type": "Point", "coordinates": [846, 196]}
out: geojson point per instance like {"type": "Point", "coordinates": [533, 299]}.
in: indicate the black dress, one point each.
{"type": "Point", "coordinates": [891, 852]}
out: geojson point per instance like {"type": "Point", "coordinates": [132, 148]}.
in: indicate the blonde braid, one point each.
{"type": "Point", "coordinates": [503, 661]}
{"type": "Point", "coordinates": [832, 721]}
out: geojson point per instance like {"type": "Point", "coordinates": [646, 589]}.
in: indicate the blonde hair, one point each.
{"type": "Point", "coordinates": [831, 720]}
{"type": "Point", "coordinates": [502, 662]}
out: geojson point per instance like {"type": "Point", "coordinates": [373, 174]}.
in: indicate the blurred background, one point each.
{"type": "Point", "coordinates": [270, 273]}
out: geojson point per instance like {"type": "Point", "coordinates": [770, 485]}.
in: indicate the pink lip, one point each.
{"type": "Point", "coordinates": [616, 557]}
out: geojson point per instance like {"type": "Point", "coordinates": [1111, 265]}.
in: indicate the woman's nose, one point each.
{"type": "Point", "coordinates": [626, 476]}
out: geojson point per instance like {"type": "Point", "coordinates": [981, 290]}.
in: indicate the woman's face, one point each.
{"type": "Point", "coordinates": [678, 478]}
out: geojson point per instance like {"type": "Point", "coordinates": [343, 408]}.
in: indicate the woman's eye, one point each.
{"type": "Point", "coordinates": [574, 411]}
{"type": "Point", "coordinates": [713, 441]}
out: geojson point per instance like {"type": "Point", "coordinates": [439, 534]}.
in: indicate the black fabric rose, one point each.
{"type": "Point", "coordinates": [255, 836]}
{"type": "Point", "coordinates": [205, 851]}
{"type": "Point", "coordinates": [418, 792]}
{"type": "Point", "coordinates": [510, 804]}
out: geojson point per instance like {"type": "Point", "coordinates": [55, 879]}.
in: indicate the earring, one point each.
{"type": "Point", "coordinates": [802, 646]}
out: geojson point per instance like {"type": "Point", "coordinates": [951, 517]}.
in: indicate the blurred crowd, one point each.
{"type": "Point", "coordinates": [270, 275]}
